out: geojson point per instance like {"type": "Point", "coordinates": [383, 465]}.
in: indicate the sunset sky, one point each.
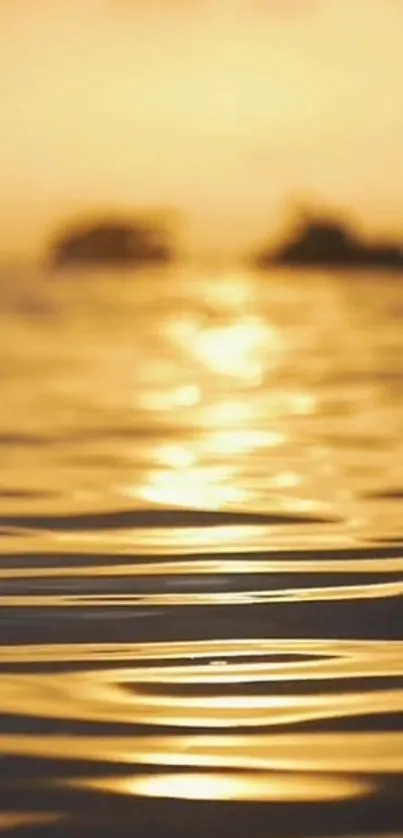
{"type": "Point", "coordinates": [226, 109]}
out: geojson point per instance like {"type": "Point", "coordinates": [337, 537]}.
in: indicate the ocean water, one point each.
{"type": "Point", "coordinates": [201, 555]}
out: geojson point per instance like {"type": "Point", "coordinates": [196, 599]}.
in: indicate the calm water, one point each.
{"type": "Point", "coordinates": [201, 556]}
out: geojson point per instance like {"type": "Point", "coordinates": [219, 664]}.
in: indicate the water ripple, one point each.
{"type": "Point", "coordinates": [164, 600]}
{"type": "Point", "coordinates": [201, 561]}
{"type": "Point", "coordinates": [317, 753]}
{"type": "Point", "coordinates": [145, 518]}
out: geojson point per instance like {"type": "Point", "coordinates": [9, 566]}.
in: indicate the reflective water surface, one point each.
{"type": "Point", "coordinates": [201, 555]}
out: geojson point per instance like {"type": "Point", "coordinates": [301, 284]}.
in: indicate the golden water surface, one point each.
{"type": "Point", "coordinates": [201, 555]}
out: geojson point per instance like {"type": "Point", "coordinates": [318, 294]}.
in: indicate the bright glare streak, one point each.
{"type": "Point", "coordinates": [188, 396]}
{"type": "Point", "coordinates": [230, 412]}
{"type": "Point", "coordinates": [243, 785]}
{"type": "Point", "coordinates": [304, 403]}
{"type": "Point", "coordinates": [287, 480]}
{"type": "Point", "coordinates": [239, 350]}
{"type": "Point", "coordinates": [175, 456]}
{"type": "Point", "coordinates": [197, 488]}
{"type": "Point", "coordinates": [241, 441]}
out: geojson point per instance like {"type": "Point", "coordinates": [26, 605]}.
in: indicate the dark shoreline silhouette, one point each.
{"type": "Point", "coordinates": [326, 242]}
{"type": "Point", "coordinates": [111, 243]}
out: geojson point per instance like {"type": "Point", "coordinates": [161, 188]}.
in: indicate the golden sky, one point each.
{"type": "Point", "coordinates": [227, 109]}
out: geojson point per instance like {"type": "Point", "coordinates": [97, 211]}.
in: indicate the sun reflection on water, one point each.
{"type": "Point", "coordinates": [198, 488]}
{"type": "Point", "coordinates": [246, 786]}
{"type": "Point", "coordinates": [174, 457]}
{"type": "Point", "coordinates": [244, 349]}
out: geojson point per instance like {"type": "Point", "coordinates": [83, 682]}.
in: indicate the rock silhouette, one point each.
{"type": "Point", "coordinates": [327, 242]}
{"type": "Point", "coordinates": [111, 243]}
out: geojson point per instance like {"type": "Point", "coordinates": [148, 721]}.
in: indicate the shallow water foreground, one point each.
{"type": "Point", "coordinates": [201, 556]}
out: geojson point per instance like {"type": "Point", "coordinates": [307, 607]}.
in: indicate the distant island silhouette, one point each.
{"type": "Point", "coordinates": [319, 241]}
{"type": "Point", "coordinates": [111, 243]}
